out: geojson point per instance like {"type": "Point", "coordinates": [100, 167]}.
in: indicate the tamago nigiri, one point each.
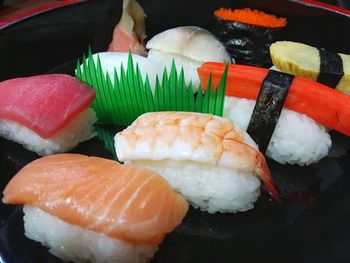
{"type": "Point", "coordinates": [93, 209]}
{"type": "Point", "coordinates": [215, 165]}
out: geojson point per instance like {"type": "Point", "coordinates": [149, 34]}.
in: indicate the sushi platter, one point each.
{"type": "Point", "coordinates": [176, 131]}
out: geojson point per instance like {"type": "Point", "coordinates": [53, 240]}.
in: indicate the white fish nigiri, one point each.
{"type": "Point", "coordinates": [114, 60]}
{"type": "Point", "coordinates": [190, 46]}
{"type": "Point", "coordinates": [214, 164]}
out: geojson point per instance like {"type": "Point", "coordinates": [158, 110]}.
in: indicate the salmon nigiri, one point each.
{"type": "Point", "coordinates": [213, 163]}
{"type": "Point", "coordinates": [129, 208]}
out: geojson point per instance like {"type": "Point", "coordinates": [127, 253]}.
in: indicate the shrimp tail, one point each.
{"type": "Point", "coordinates": [264, 174]}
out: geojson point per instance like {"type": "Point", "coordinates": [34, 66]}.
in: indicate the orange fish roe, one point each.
{"type": "Point", "coordinates": [249, 16]}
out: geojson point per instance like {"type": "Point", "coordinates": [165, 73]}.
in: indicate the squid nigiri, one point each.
{"type": "Point", "coordinates": [46, 113]}
{"type": "Point", "coordinates": [215, 165]}
{"type": "Point", "coordinates": [94, 209]}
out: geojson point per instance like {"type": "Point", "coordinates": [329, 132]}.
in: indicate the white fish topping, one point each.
{"type": "Point", "coordinates": [190, 47]}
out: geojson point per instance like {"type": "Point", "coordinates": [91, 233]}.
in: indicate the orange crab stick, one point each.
{"type": "Point", "coordinates": [325, 105]}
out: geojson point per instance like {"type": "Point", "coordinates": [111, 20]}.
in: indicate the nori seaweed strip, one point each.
{"type": "Point", "coordinates": [331, 68]}
{"type": "Point", "coordinates": [268, 107]}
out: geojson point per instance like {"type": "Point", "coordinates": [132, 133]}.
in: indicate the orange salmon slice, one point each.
{"type": "Point", "coordinates": [122, 201]}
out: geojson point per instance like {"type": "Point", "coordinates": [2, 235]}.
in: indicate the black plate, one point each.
{"type": "Point", "coordinates": [312, 224]}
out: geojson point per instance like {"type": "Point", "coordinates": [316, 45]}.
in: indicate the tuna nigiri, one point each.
{"type": "Point", "coordinates": [214, 164]}
{"type": "Point", "coordinates": [122, 211]}
{"type": "Point", "coordinates": [46, 113]}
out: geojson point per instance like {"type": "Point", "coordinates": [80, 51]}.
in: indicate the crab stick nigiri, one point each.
{"type": "Point", "coordinates": [298, 129]}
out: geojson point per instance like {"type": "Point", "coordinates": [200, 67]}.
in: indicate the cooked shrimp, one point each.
{"type": "Point", "coordinates": [196, 137]}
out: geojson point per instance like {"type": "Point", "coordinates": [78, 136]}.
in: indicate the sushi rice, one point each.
{"type": "Point", "coordinates": [78, 130]}
{"type": "Point", "coordinates": [297, 139]}
{"type": "Point", "coordinates": [212, 189]}
{"type": "Point", "coordinates": [74, 243]}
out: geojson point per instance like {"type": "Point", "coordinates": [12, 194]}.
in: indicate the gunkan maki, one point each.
{"type": "Point", "coordinates": [248, 34]}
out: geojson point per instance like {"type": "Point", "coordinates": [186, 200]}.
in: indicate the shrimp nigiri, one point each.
{"type": "Point", "coordinates": [209, 160]}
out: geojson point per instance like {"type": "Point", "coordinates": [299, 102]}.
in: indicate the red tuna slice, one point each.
{"type": "Point", "coordinates": [44, 103]}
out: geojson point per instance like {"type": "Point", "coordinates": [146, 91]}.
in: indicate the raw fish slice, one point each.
{"type": "Point", "coordinates": [129, 34]}
{"type": "Point", "coordinates": [44, 103]}
{"type": "Point", "coordinates": [191, 42]}
{"type": "Point", "coordinates": [186, 136]}
{"type": "Point", "coordinates": [111, 61]}
{"type": "Point", "coordinates": [122, 201]}
{"type": "Point", "coordinates": [190, 46]}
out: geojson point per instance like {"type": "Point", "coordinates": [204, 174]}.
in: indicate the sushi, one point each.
{"type": "Point", "coordinates": [248, 34]}
{"type": "Point", "coordinates": [298, 135]}
{"type": "Point", "coordinates": [129, 33]}
{"type": "Point", "coordinates": [93, 209]}
{"type": "Point", "coordinates": [111, 61]}
{"type": "Point", "coordinates": [214, 164]}
{"type": "Point", "coordinates": [190, 46]}
{"type": "Point", "coordinates": [328, 68]}
{"type": "Point", "coordinates": [46, 113]}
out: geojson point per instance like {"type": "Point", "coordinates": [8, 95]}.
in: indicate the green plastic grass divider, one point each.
{"type": "Point", "coordinates": [120, 100]}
